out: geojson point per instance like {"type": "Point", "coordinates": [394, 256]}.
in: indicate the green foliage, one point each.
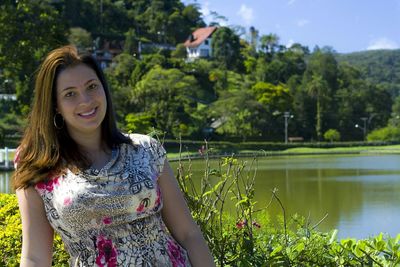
{"type": "Point", "coordinates": [389, 133]}
{"type": "Point", "coordinates": [169, 96]}
{"type": "Point", "coordinates": [223, 205]}
{"type": "Point", "coordinates": [138, 123]}
{"type": "Point", "coordinates": [10, 231]}
{"type": "Point", "coordinates": [180, 51]}
{"type": "Point", "coordinates": [81, 38]}
{"type": "Point", "coordinates": [310, 85]}
{"type": "Point", "coordinates": [11, 235]}
{"type": "Point", "coordinates": [276, 97]}
{"type": "Point", "coordinates": [376, 66]}
{"type": "Point", "coordinates": [226, 48]}
{"type": "Point", "coordinates": [29, 29]}
{"type": "Point", "coordinates": [332, 135]}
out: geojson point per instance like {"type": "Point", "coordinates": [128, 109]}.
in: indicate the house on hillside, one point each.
{"type": "Point", "coordinates": [198, 45]}
{"type": "Point", "coordinates": [107, 51]}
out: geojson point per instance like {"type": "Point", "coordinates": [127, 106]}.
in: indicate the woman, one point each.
{"type": "Point", "coordinates": [112, 197]}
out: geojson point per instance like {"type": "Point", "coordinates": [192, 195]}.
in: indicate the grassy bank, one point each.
{"type": "Point", "coordinates": [387, 149]}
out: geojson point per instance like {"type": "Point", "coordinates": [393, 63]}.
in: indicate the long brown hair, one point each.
{"type": "Point", "coordinates": [45, 150]}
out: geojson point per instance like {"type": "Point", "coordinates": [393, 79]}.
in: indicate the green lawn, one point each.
{"type": "Point", "coordinates": [390, 149]}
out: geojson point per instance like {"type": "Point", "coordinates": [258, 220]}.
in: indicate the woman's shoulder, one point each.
{"type": "Point", "coordinates": [142, 139]}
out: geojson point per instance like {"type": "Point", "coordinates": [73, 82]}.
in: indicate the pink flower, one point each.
{"type": "Point", "coordinates": [67, 201]}
{"type": "Point", "coordinates": [202, 150]}
{"type": "Point", "coordinates": [158, 199]}
{"type": "Point", "coordinates": [256, 224]}
{"type": "Point", "coordinates": [107, 220]}
{"type": "Point", "coordinates": [107, 253]}
{"type": "Point", "coordinates": [175, 254]}
{"type": "Point", "coordinates": [140, 208]}
{"type": "Point", "coordinates": [241, 224]}
{"type": "Point", "coordinates": [48, 185]}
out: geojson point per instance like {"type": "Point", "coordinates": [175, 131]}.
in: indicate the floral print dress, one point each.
{"type": "Point", "coordinates": [111, 217]}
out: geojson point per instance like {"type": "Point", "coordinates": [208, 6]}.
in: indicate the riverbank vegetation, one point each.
{"type": "Point", "coordinates": [222, 202]}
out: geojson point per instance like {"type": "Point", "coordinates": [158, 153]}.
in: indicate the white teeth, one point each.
{"type": "Point", "coordinates": [89, 113]}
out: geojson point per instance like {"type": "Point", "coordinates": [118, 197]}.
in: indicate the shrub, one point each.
{"type": "Point", "coordinates": [332, 135]}
{"type": "Point", "coordinates": [243, 236]}
{"type": "Point", "coordinates": [11, 235]}
{"type": "Point", "coordinates": [389, 133]}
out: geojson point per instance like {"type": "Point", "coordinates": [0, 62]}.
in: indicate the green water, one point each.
{"type": "Point", "coordinates": [360, 193]}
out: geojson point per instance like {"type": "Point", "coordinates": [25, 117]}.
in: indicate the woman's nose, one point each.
{"type": "Point", "coordinates": [86, 97]}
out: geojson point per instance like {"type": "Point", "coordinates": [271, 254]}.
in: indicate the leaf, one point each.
{"type": "Point", "coordinates": [276, 250]}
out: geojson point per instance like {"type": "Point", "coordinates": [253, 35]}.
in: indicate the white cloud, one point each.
{"type": "Point", "coordinates": [291, 2]}
{"type": "Point", "coordinates": [205, 9]}
{"type": "Point", "coordinates": [246, 13]}
{"type": "Point", "coordinates": [302, 22]}
{"type": "Point", "coordinates": [289, 43]}
{"type": "Point", "coordinates": [382, 43]}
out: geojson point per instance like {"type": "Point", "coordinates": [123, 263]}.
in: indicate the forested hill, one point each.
{"type": "Point", "coordinates": [378, 66]}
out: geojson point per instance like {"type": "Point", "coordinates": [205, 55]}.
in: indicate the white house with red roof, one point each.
{"type": "Point", "coordinates": [198, 45]}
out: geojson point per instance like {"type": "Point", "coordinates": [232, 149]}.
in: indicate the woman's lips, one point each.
{"type": "Point", "coordinates": [88, 114]}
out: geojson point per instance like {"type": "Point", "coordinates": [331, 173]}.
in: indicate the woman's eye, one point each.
{"type": "Point", "coordinates": [92, 86]}
{"type": "Point", "coordinates": [69, 94]}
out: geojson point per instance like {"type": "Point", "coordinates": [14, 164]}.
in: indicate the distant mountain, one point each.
{"type": "Point", "coordinates": [377, 66]}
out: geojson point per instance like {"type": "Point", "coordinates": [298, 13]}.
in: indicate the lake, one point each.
{"type": "Point", "coordinates": [360, 193]}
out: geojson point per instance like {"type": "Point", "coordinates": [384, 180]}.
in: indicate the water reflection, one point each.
{"type": "Point", "coordinates": [5, 182]}
{"type": "Point", "coordinates": [360, 194]}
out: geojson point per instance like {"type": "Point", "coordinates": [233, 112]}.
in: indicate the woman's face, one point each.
{"type": "Point", "coordinates": [81, 100]}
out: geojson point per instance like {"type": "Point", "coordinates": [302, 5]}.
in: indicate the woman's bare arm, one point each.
{"type": "Point", "coordinates": [37, 234]}
{"type": "Point", "coordinates": [179, 221]}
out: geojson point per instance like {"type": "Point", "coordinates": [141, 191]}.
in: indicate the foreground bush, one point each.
{"type": "Point", "coordinates": [246, 237]}
{"type": "Point", "coordinates": [238, 236]}
{"type": "Point", "coordinates": [11, 235]}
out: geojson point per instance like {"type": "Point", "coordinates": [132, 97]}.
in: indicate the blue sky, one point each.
{"type": "Point", "coordinates": [345, 25]}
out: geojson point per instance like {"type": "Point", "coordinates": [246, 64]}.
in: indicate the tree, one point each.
{"type": "Point", "coordinates": [316, 88]}
{"type": "Point", "coordinates": [180, 51]}
{"type": "Point", "coordinates": [332, 135]}
{"type": "Point", "coordinates": [275, 97]}
{"type": "Point", "coordinates": [237, 121]}
{"type": "Point", "coordinates": [81, 38]}
{"type": "Point", "coordinates": [168, 96]}
{"type": "Point", "coordinates": [269, 43]}
{"type": "Point", "coordinates": [29, 30]}
{"type": "Point", "coordinates": [226, 48]}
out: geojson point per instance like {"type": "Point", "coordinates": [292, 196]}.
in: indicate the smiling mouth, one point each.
{"type": "Point", "coordinates": [88, 114]}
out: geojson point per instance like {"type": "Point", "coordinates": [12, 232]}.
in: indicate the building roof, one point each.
{"type": "Point", "coordinates": [199, 36]}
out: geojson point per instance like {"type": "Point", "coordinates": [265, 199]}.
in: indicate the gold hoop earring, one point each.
{"type": "Point", "coordinates": [55, 118]}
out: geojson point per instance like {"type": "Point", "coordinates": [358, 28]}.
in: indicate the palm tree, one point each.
{"type": "Point", "coordinates": [269, 43]}
{"type": "Point", "coordinates": [317, 89]}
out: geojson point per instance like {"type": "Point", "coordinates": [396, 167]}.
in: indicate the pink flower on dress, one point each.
{"type": "Point", "coordinates": [107, 253]}
{"type": "Point", "coordinates": [67, 201]}
{"type": "Point", "coordinates": [107, 220]}
{"type": "Point", "coordinates": [140, 208]}
{"type": "Point", "coordinates": [158, 199]}
{"type": "Point", "coordinates": [175, 254]}
{"type": "Point", "coordinates": [48, 185]}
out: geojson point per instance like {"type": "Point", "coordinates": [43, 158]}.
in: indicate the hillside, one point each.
{"type": "Point", "coordinates": [378, 66]}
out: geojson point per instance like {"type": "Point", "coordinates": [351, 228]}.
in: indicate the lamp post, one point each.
{"type": "Point", "coordinates": [363, 128]}
{"type": "Point", "coordinates": [287, 116]}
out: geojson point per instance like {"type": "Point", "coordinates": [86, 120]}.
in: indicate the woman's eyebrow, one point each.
{"type": "Point", "coordinates": [86, 83]}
